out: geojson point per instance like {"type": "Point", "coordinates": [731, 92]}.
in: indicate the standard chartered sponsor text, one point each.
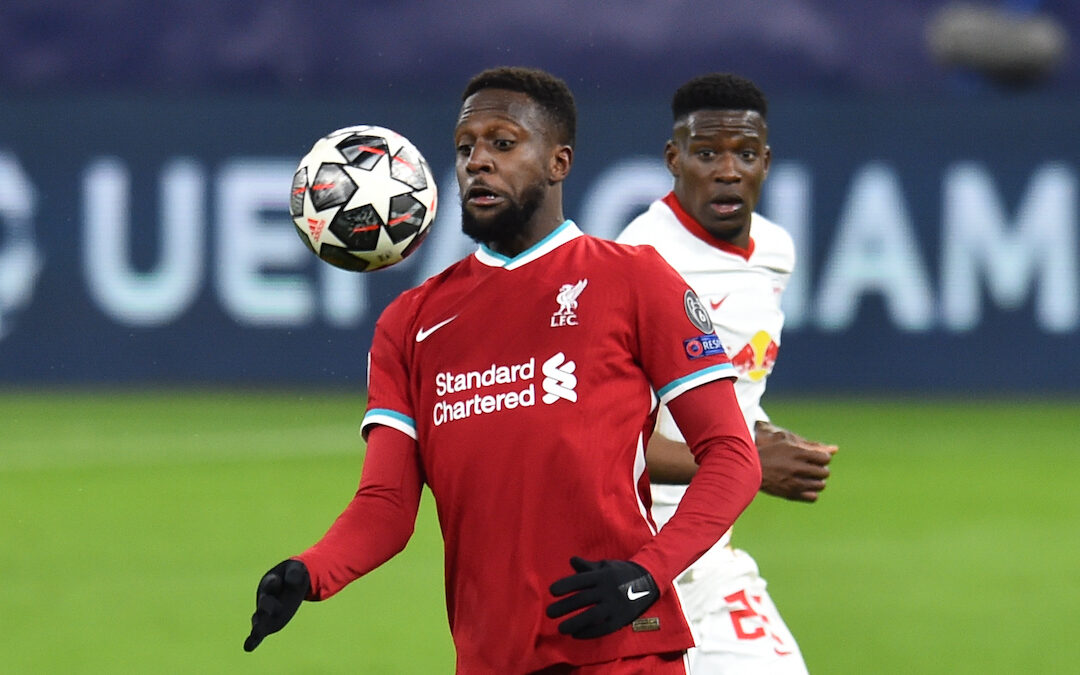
{"type": "Point", "coordinates": [479, 404]}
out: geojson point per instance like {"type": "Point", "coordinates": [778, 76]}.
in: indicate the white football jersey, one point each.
{"type": "Point", "coordinates": [741, 289]}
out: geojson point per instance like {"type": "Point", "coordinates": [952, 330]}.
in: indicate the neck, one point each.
{"type": "Point", "coordinates": [742, 246]}
{"type": "Point", "coordinates": [739, 238]}
{"type": "Point", "coordinates": [542, 223]}
{"type": "Point", "coordinates": [525, 240]}
{"type": "Point", "coordinates": [733, 232]}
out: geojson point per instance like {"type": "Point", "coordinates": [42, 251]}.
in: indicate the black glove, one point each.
{"type": "Point", "coordinates": [618, 590]}
{"type": "Point", "coordinates": [277, 598]}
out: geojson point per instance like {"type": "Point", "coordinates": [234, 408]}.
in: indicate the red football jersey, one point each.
{"type": "Point", "coordinates": [531, 385]}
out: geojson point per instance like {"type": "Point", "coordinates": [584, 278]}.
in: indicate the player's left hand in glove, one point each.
{"type": "Point", "coordinates": [615, 591]}
{"type": "Point", "coordinates": [277, 598]}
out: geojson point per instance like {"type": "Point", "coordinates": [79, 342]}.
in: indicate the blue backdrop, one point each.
{"type": "Point", "coordinates": [146, 239]}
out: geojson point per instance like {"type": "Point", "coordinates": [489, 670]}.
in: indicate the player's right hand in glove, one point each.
{"type": "Point", "coordinates": [615, 591]}
{"type": "Point", "coordinates": [277, 598]}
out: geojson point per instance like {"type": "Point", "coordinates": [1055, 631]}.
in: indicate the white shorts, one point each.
{"type": "Point", "coordinates": [737, 627]}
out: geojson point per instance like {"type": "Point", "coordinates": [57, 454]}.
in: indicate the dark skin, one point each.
{"type": "Point", "coordinates": [791, 466]}
{"type": "Point", "coordinates": [719, 160]}
{"type": "Point", "coordinates": [508, 153]}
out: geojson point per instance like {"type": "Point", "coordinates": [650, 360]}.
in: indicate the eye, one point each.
{"type": "Point", "coordinates": [503, 143]}
{"type": "Point", "coordinates": [705, 154]}
{"type": "Point", "coordinates": [749, 155]}
{"type": "Point", "coordinates": [464, 149]}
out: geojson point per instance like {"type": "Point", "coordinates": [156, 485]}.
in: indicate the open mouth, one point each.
{"type": "Point", "coordinates": [726, 206]}
{"type": "Point", "coordinates": [481, 195]}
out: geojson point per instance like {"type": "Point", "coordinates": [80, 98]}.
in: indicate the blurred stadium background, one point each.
{"type": "Point", "coordinates": [181, 381]}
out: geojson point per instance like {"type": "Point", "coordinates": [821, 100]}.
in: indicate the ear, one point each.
{"type": "Point", "coordinates": [562, 157]}
{"type": "Point", "coordinates": [671, 158]}
{"type": "Point", "coordinates": [767, 159]}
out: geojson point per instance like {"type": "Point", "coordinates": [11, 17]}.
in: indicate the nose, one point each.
{"type": "Point", "coordinates": [479, 160]}
{"type": "Point", "coordinates": [727, 169]}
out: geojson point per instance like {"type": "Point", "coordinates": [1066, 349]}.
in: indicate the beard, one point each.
{"type": "Point", "coordinates": [505, 225]}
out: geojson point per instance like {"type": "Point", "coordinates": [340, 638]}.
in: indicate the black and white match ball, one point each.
{"type": "Point", "coordinates": [363, 198]}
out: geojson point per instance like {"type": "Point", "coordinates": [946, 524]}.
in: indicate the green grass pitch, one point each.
{"type": "Point", "coordinates": [135, 526]}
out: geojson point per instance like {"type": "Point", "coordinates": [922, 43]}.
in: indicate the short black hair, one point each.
{"type": "Point", "coordinates": [550, 92]}
{"type": "Point", "coordinates": [718, 91]}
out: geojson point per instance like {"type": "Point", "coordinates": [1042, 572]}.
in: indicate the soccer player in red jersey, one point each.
{"type": "Point", "coordinates": [520, 384]}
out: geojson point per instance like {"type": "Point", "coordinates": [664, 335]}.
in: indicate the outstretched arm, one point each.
{"type": "Point", "coordinates": [375, 526]}
{"type": "Point", "coordinates": [379, 520]}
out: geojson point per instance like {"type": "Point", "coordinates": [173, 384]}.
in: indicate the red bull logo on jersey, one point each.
{"type": "Point", "coordinates": [757, 358]}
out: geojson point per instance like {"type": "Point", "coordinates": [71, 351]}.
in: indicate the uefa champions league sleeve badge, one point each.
{"type": "Point", "coordinates": [696, 312]}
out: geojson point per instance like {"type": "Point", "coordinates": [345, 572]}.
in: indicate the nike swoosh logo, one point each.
{"type": "Point", "coordinates": [423, 333]}
{"type": "Point", "coordinates": [631, 595]}
{"type": "Point", "coordinates": [716, 305]}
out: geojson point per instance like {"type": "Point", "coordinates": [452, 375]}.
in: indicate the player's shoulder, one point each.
{"type": "Point", "coordinates": [624, 256]}
{"type": "Point", "coordinates": [648, 227]}
{"type": "Point", "coordinates": [409, 302]}
{"type": "Point", "coordinates": [773, 245]}
{"type": "Point", "coordinates": [627, 265]}
{"type": "Point", "coordinates": [659, 228]}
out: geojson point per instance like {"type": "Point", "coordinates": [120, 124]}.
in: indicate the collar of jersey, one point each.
{"type": "Point", "coordinates": [565, 232]}
{"type": "Point", "coordinates": [695, 228]}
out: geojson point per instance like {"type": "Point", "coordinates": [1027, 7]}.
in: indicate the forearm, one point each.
{"type": "Point", "coordinates": [670, 461]}
{"type": "Point", "coordinates": [378, 521]}
{"type": "Point", "coordinates": [725, 483]}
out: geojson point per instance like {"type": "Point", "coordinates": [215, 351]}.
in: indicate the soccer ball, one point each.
{"type": "Point", "coordinates": [363, 198]}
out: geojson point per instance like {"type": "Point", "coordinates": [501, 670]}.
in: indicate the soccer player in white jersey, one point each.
{"type": "Point", "coordinates": [739, 263]}
{"type": "Point", "coordinates": [520, 384]}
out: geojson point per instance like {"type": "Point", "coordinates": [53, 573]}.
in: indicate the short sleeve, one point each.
{"type": "Point", "coordinates": [389, 401]}
{"type": "Point", "coordinates": [678, 349]}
